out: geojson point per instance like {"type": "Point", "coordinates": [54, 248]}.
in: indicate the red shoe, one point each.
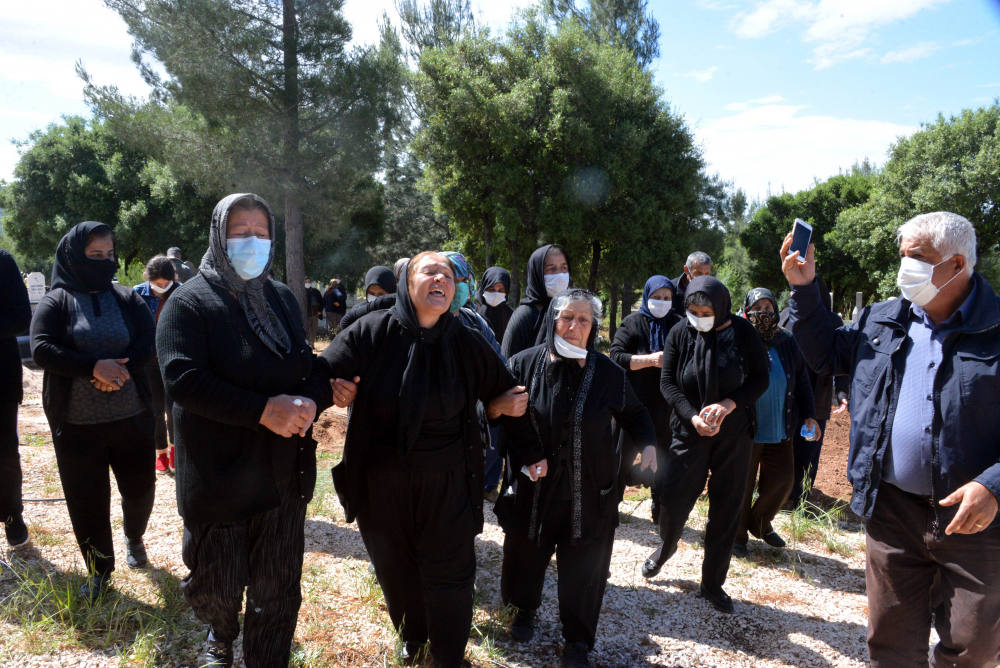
{"type": "Point", "coordinates": [171, 459]}
{"type": "Point", "coordinates": [162, 463]}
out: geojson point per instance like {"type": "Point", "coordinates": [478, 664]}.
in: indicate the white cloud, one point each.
{"type": "Point", "coordinates": [838, 28]}
{"type": "Point", "coordinates": [743, 106]}
{"type": "Point", "coordinates": [774, 146]}
{"type": "Point", "coordinates": [911, 53]}
{"type": "Point", "coordinates": [702, 76]}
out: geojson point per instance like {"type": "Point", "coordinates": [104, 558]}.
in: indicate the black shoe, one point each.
{"type": "Point", "coordinates": [576, 655]}
{"type": "Point", "coordinates": [217, 654]}
{"type": "Point", "coordinates": [650, 569]}
{"type": "Point", "coordinates": [17, 532]}
{"type": "Point", "coordinates": [95, 586]}
{"type": "Point", "coordinates": [413, 652]}
{"type": "Point", "coordinates": [720, 601]}
{"type": "Point", "coordinates": [135, 553]}
{"type": "Point", "coordinates": [773, 539]}
{"type": "Point", "coordinates": [740, 550]}
{"type": "Point", "coordinates": [523, 628]}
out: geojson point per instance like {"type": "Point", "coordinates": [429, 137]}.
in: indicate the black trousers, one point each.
{"type": "Point", "coordinates": [84, 452]}
{"type": "Point", "coordinates": [10, 464]}
{"type": "Point", "coordinates": [163, 406]}
{"type": "Point", "coordinates": [420, 533]}
{"type": "Point", "coordinates": [905, 564]}
{"type": "Point", "coordinates": [774, 462]}
{"type": "Point", "coordinates": [583, 574]}
{"type": "Point", "coordinates": [727, 458]}
{"type": "Point", "coordinates": [806, 461]}
{"type": "Point", "coordinates": [263, 555]}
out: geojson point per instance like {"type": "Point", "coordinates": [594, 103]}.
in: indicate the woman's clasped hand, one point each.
{"type": "Point", "coordinates": [287, 416]}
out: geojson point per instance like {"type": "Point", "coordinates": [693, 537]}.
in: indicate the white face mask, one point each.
{"type": "Point", "coordinates": [556, 283]}
{"type": "Point", "coordinates": [914, 280]}
{"type": "Point", "coordinates": [372, 298]}
{"type": "Point", "coordinates": [249, 256]}
{"type": "Point", "coordinates": [659, 307]}
{"type": "Point", "coordinates": [701, 324]}
{"type": "Point", "coordinates": [308, 285]}
{"type": "Point", "coordinates": [158, 290]}
{"type": "Point", "coordinates": [494, 298]}
{"type": "Point", "coordinates": [566, 349]}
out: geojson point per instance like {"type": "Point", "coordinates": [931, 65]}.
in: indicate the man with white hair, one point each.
{"type": "Point", "coordinates": [925, 442]}
{"type": "Point", "coordinates": [697, 264]}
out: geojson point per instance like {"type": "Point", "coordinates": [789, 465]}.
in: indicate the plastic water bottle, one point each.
{"type": "Point", "coordinates": [808, 432]}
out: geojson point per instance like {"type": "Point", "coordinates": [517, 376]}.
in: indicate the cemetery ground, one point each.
{"type": "Point", "coordinates": [801, 606]}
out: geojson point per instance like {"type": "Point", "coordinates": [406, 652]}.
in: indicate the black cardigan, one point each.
{"type": "Point", "coordinates": [799, 404]}
{"type": "Point", "coordinates": [15, 317]}
{"type": "Point", "coordinates": [357, 352]}
{"type": "Point", "coordinates": [823, 386]}
{"type": "Point", "coordinates": [609, 396]}
{"type": "Point", "coordinates": [220, 376]}
{"type": "Point", "coordinates": [53, 349]}
{"type": "Point", "coordinates": [522, 329]}
{"type": "Point", "coordinates": [677, 351]}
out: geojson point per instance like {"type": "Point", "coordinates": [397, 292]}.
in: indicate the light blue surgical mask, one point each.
{"type": "Point", "coordinates": [461, 296]}
{"type": "Point", "coordinates": [249, 256]}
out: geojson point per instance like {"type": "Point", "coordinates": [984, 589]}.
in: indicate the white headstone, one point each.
{"type": "Point", "coordinates": [36, 286]}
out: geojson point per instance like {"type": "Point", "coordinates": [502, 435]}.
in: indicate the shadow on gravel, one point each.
{"type": "Point", "coordinates": [340, 541]}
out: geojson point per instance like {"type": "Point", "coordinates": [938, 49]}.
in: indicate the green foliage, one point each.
{"type": "Point", "coordinates": [952, 165]}
{"type": "Point", "coordinates": [621, 23]}
{"type": "Point", "coordinates": [132, 275]}
{"type": "Point", "coordinates": [76, 171]}
{"type": "Point", "coordinates": [547, 136]}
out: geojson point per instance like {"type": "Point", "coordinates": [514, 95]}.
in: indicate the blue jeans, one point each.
{"type": "Point", "coordinates": [494, 462]}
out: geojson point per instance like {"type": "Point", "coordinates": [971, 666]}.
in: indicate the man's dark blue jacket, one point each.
{"type": "Point", "coordinates": [966, 444]}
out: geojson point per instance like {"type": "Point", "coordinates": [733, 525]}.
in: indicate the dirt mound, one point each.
{"type": "Point", "coordinates": [831, 475]}
{"type": "Point", "coordinates": [330, 430]}
{"type": "Point", "coordinates": [32, 382]}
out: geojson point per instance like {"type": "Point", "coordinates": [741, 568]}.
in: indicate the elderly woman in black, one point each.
{"type": "Point", "coordinates": [560, 495]}
{"type": "Point", "coordinates": [714, 370]}
{"type": "Point", "coordinates": [236, 362]}
{"type": "Point", "coordinates": [93, 339]}
{"type": "Point", "coordinates": [548, 275]}
{"type": "Point", "coordinates": [787, 404]}
{"type": "Point", "coordinates": [413, 455]}
{"type": "Point", "coordinates": [638, 348]}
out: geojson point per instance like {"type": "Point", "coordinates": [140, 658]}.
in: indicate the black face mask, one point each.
{"type": "Point", "coordinates": [98, 272]}
{"type": "Point", "coordinates": [765, 323]}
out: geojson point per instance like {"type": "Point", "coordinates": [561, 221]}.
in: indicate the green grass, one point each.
{"type": "Point", "coordinates": [33, 440]}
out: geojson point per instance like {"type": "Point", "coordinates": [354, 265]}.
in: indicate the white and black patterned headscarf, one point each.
{"type": "Point", "coordinates": [217, 269]}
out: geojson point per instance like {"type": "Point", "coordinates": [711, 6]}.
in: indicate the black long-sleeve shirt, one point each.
{"type": "Point", "coordinates": [15, 316]}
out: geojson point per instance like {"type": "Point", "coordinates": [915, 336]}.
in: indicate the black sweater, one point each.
{"type": "Point", "coordinates": [220, 376]}
{"type": "Point", "coordinates": [365, 350]}
{"type": "Point", "coordinates": [53, 349]}
{"type": "Point", "coordinates": [799, 404]}
{"type": "Point", "coordinates": [823, 386]}
{"type": "Point", "coordinates": [678, 350]}
{"type": "Point", "coordinates": [522, 329]}
{"type": "Point", "coordinates": [15, 317]}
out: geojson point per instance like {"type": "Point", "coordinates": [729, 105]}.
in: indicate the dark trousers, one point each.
{"type": "Point", "coordinates": [84, 452]}
{"type": "Point", "coordinates": [776, 466]}
{"type": "Point", "coordinates": [727, 457]}
{"type": "Point", "coordinates": [419, 529]}
{"type": "Point", "coordinates": [263, 555]}
{"type": "Point", "coordinates": [910, 575]}
{"type": "Point", "coordinates": [10, 464]}
{"type": "Point", "coordinates": [163, 406]}
{"type": "Point", "coordinates": [494, 462]}
{"type": "Point", "coordinates": [333, 322]}
{"type": "Point", "coordinates": [583, 575]}
{"type": "Point", "coordinates": [806, 454]}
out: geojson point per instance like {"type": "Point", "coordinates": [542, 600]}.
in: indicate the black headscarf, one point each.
{"type": "Point", "coordinates": [73, 270]}
{"type": "Point", "coordinates": [658, 327]}
{"type": "Point", "coordinates": [534, 292]}
{"type": "Point", "coordinates": [430, 352]}
{"type": "Point", "coordinates": [766, 324]}
{"type": "Point", "coordinates": [382, 277]}
{"type": "Point", "coordinates": [218, 270]}
{"type": "Point", "coordinates": [496, 316]}
{"type": "Point", "coordinates": [705, 347]}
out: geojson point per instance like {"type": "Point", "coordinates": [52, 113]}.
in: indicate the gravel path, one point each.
{"type": "Point", "coordinates": [812, 614]}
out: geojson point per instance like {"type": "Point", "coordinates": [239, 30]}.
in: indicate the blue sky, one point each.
{"type": "Point", "coordinates": [779, 92]}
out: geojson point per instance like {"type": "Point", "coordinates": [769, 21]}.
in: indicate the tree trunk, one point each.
{"type": "Point", "coordinates": [595, 260]}
{"type": "Point", "coordinates": [613, 316]}
{"type": "Point", "coordinates": [491, 257]}
{"type": "Point", "coordinates": [294, 235]}
{"type": "Point", "coordinates": [516, 271]}
{"type": "Point", "coordinates": [626, 299]}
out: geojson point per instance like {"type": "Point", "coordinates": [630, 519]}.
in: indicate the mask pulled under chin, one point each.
{"type": "Point", "coordinates": [158, 290]}
{"type": "Point", "coordinates": [556, 283]}
{"type": "Point", "coordinates": [249, 256]}
{"type": "Point", "coordinates": [494, 298]}
{"type": "Point", "coordinates": [566, 349]}
{"type": "Point", "coordinates": [659, 307]}
{"type": "Point", "coordinates": [914, 280]}
{"type": "Point", "coordinates": [701, 324]}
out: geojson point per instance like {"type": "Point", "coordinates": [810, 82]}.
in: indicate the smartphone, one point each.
{"type": "Point", "coordinates": [801, 235]}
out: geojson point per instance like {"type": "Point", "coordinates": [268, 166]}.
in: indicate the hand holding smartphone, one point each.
{"type": "Point", "coordinates": [801, 236]}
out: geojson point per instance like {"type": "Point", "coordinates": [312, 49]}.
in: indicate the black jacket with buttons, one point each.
{"type": "Point", "coordinates": [220, 376]}
{"type": "Point", "coordinates": [799, 402]}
